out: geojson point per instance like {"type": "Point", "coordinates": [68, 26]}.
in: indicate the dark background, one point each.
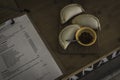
{"type": "Point", "coordinates": [45, 15]}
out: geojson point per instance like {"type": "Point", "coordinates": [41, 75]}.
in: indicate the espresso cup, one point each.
{"type": "Point", "coordinates": [86, 36]}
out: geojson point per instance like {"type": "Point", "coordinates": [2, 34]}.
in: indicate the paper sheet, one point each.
{"type": "Point", "coordinates": [23, 55]}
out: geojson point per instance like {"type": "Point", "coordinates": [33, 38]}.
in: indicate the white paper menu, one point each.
{"type": "Point", "coordinates": [23, 55]}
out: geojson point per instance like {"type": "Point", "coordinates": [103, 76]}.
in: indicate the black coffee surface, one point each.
{"type": "Point", "coordinates": [85, 38]}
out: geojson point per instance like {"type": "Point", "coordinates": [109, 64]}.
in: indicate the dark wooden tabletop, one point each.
{"type": "Point", "coordinates": [45, 15]}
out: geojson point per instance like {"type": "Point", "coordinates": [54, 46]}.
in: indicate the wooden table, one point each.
{"type": "Point", "coordinates": [45, 16]}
